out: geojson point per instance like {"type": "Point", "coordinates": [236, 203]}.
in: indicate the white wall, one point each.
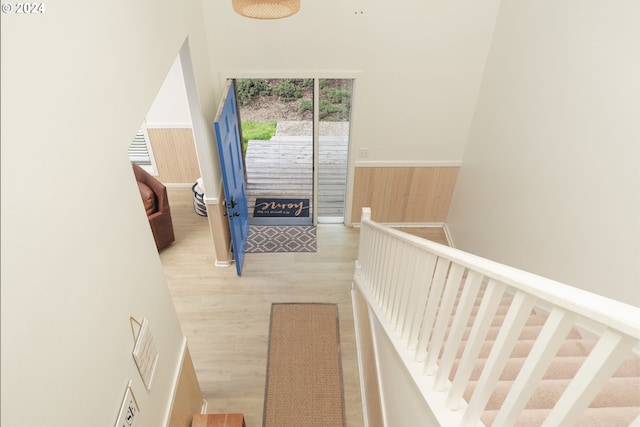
{"type": "Point", "coordinates": [170, 108]}
{"type": "Point", "coordinates": [420, 64]}
{"type": "Point", "coordinates": [401, 400]}
{"type": "Point", "coordinates": [78, 257]}
{"type": "Point", "coordinates": [550, 180]}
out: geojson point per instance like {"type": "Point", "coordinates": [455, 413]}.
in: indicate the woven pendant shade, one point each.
{"type": "Point", "coordinates": [266, 9]}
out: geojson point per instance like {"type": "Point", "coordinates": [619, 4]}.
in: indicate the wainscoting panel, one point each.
{"type": "Point", "coordinates": [219, 226]}
{"type": "Point", "coordinates": [188, 398]}
{"type": "Point", "coordinates": [404, 194]}
{"type": "Point", "coordinates": [175, 154]}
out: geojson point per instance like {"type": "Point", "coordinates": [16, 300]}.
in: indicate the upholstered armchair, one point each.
{"type": "Point", "coordinates": [156, 203]}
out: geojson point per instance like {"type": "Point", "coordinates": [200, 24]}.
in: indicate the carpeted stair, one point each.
{"type": "Point", "coordinates": [617, 404]}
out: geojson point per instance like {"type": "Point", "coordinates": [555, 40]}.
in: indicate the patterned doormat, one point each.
{"type": "Point", "coordinates": [263, 239]}
{"type": "Point", "coordinates": [272, 207]}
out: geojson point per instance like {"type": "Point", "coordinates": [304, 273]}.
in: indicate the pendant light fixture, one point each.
{"type": "Point", "coordinates": [266, 9]}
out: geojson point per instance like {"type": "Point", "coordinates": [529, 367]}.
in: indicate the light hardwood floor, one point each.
{"type": "Point", "coordinates": [226, 318]}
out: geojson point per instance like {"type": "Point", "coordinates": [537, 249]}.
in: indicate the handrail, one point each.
{"type": "Point", "coordinates": [608, 312]}
{"type": "Point", "coordinates": [423, 294]}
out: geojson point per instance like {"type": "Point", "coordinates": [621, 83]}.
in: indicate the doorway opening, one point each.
{"type": "Point", "coordinates": [296, 139]}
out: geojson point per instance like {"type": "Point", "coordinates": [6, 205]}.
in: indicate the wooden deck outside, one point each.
{"type": "Point", "coordinates": [283, 167]}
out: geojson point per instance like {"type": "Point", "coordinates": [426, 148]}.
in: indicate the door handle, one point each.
{"type": "Point", "coordinates": [233, 203]}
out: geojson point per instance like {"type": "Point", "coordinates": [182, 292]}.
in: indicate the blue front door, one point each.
{"type": "Point", "coordinates": [227, 130]}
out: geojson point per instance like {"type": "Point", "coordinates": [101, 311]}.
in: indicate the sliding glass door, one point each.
{"type": "Point", "coordinates": [296, 144]}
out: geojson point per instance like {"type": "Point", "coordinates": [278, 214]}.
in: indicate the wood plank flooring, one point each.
{"type": "Point", "coordinates": [226, 318]}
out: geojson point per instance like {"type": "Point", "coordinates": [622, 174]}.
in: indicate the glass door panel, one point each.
{"type": "Point", "coordinates": [333, 147]}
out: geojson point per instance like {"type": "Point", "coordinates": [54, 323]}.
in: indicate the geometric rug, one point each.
{"type": "Point", "coordinates": [304, 367]}
{"type": "Point", "coordinates": [263, 239]}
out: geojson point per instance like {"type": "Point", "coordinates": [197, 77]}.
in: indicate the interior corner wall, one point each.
{"type": "Point", "coordinates": [550, 179]}
{"type": "Point", "coordinates": [403, 194]}
{"type": "Point", "coordinates": [78, 256]}
{"type": "Point", "coordinates": [170, 107]}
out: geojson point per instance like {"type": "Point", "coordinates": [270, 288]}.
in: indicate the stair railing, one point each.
{"type": "Point", "coordinates": [423, 293]}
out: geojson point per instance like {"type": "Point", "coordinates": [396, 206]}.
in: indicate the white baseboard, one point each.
{"type": "Point", "coordinates": [407, 164]}
{"type": "Point", "coordinates": [413, 224]}
{"type": "Point", "coordinates": [448, 234]}
{"type": "Point", "coordinates": [178, 185]}
{"type": "Point", "coordinates": [230, 255]}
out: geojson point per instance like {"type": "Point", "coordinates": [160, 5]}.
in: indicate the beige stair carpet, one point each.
{"type": "Point", "coordinates": [616, 405]}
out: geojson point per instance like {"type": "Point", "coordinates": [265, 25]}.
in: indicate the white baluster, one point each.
{"type": "Point", "coordinates": [364, 254]}
{"type": "Point", "coordinates": [381, 244]}
{"type": "Point", "coordinates": [380, 263]}
{"type": "Point", "coordinates": [426, 265]}
{"type": "Point", "coordinates": [406, 279]}
{"type": "Point", "coordinates": [369, 235]}
{"type": "Point", "coordinates": [384, 277]}
{"type": "Point", "coordinates": [389, 279]}
{"type": "Point", "coordinates": [398, 281]}
{"type": "Point", "coordinates": [612, 348]}
{"type": "Point", "coordinates": [484, 317]}
{"type": "Point", "coordinates": [442, 268]}
{"type": "Point", "coordinates": [542, 353]}
{"type": "Point", "coordinates": [362, 246]}
{"type": "Point", "coordinates": [515, 319]}
{"type": "Point", "coordinates": [467, 301]}
{"type": "Point", "coordinates": [444, 316]}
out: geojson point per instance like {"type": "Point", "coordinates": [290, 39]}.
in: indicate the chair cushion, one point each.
{"type": "Point", "coordinates": [148, 198]}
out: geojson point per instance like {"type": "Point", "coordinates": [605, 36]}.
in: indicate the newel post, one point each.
{"type": "Point", "coordinates": [366, 214]}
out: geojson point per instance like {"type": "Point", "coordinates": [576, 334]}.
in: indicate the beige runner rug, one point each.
{"type": "Point", "coordinates": [304, 368]}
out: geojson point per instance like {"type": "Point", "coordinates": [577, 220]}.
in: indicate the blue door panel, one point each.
{"type": "Point", "coordinates": [226, 127]}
